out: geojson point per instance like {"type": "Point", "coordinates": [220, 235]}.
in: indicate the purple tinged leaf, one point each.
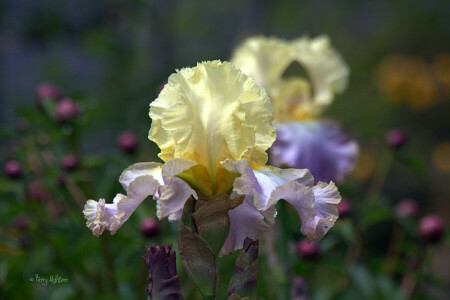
{"type": "Point", "coordinates": [162, 279]}
{"type": "Point", "coordinates": [243, 282]}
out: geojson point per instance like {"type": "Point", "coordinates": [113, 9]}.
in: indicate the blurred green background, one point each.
{"type": "Point", "coordinates": [111, 58]}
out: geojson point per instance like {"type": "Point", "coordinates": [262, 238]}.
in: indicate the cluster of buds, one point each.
{"type": "Point", "coordinates": [50, 99]}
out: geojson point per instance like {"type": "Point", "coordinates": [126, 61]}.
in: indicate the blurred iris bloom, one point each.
{"type": "Point", "coordinates": [213, 125]}
{"type": "Point", "coordinates": [304, 140]}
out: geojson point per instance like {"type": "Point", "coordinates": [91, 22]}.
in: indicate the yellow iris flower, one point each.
{"type": "Point", "coordinates": [294, 98]}
{"type": "Point", "coordinates": [213, 125]}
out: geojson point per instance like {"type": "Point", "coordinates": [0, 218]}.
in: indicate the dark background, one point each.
{"type": "Point", "coordinates": [113, 56]}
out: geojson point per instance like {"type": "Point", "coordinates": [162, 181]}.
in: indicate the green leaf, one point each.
{"type": "Point", "coordinates": [243, 282]}
{"type": "Point", "coordinates": [213, 222]}
{"type": "Point", "coordinates": [199, 261]}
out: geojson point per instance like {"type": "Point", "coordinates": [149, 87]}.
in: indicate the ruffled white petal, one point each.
{"type": "Point", "coordinates": [175, 192]}
{"type": "Point", "coordinates": [267, 185]}
{"type": "Point", "coordinates": [321, 147]}
{"type": "Point", "coordinates": [101, 216]}
{"type": "Point", "coordinates": [326, 197]}
{"type": "Point", "coordinates": [246, 221]}
{"type": "Point", "coordinates": [141, 181]}
{"type": "Point", "coordinates": [141, 169]}
{"type": "Point", "coordinates": [261, 181]}
{"type": "Point", "coordinates": [301, 197]}
{"type": "Point", "coordinates": [96, 215]}
{"type": "Point", "coordinates": [138, 190]}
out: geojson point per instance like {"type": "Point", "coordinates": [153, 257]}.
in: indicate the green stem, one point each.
{"type": "Point", "coordinates": [209, 297]}
{"type": "Point", "coordinates": [283, 251]}
{"type": "Point", "coordinates": [382, 172]}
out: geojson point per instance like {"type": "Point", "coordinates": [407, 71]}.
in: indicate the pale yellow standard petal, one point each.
{"type": "Point", "coordinates": [294, 98]}
{"type": "Point", "coordinates": [210, 113]}
{"type": "Point", "coordinates": [264, 59]}
{"type": "Point", "coordinates": [326, 68]}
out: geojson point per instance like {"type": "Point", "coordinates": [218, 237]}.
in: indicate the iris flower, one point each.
{"type": "Point", "coordinates": [213, 125]}
{"type": "Point", "coordinates": [304, 140]}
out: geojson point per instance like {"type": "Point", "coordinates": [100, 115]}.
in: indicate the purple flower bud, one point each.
{"type": "Point", "coordinates": [47, 91]}
{"type": "Point", "coordinates": [162, 280]}
{"type": "Point", "coordinates": [69, 162]}
{"type": "Point", "coordinates": [299, 288]}
{"type": "Point", "coordinates": [407, 208]}
{"type": "Point", "coordinates": [396, 138]}
{"type": "Point", "coordinates": [127, 141]}
{"type": "Point", "coordinates": [344, 208]}
{"type": "Point", "coordinates": [66, 110]}
{"type": "Point", "coordinates": [13, 169]}
{"type": "Point", "coordinates": [21, 222]}
{"type": "Point", "coordinates": [431, 228]}
{"type": "Point", "coordinates": [149, 227]}
{"type": "Point", "coordinates": [308, 250]}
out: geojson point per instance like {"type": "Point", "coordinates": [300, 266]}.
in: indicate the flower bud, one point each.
{"type": "Point", "coordinates": [149, 227]}
{"type": "Point", "coordinates": [431, 228]}
{"type": "Point", "coordinates": [13, 169]}
{"type": "Point", "coordinates": [307, 250]}
{"type": "Point", "coordinates": [396, 138]}
{"type": "Point", "coordinates": [344, 208]}
{"type": "Point", "coordinates": [407, 208]}
{"type": "Point", "coordinates": [243, 282]}
{"type": "Point", "coordinates": [46, 91]}
{"type": "Point", "coordinates": [69, 162]}
{"type": "Point", "coordinates": [66, 110]}
{"type": "Point", "coordinates": [162, 280]}
{"type": "Point", "coordinates": [127, 141]}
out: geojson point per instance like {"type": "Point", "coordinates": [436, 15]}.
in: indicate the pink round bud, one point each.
{"type": "Point", "coordinates": [127, 141]}
{"type": "Point", "coordinates": [13, 169]}
{"type": "Point", "coordinates": [69, 162]}
{"type": "Point", "coordinates": [396, 138]}
{"type": "Point", "coordinates": [149, 227]}
{"type": "Point", "coordinates": [307, 250]}
{"type": "Point", "coordinates": [431, 228]}
{"type": "Point", "coordinates": [344, 208]}
{"type": "Point", "coordinates": [407, 208]}
{"type": "Point", "coordinates": [66, 110]}
{"type": "Point", "coordinates": [47, 91]}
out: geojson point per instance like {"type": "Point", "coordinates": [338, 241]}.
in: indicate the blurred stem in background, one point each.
{"type": "Point", "coordinates": [381, 173]}
{"type": "Point", "coordinates": [284, 251]}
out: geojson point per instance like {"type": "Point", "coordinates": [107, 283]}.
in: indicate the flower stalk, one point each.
{"type": "Point", "coordinates": [203, 229]}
